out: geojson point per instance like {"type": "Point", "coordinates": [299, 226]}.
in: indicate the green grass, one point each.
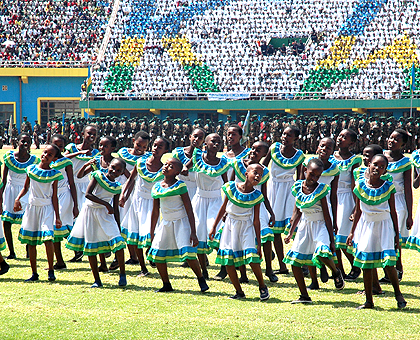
{"type": "Point", "coordinates": [69, 309]}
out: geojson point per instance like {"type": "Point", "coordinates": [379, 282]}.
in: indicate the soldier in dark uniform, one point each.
{"type": "Point", "coordinates": [254, 129]}
{"type": "Point", "coordinates": [363, 130]}
{"type": "Point", "coordinates": [1, 135]}
{"type": "Point", "coordinates": [186, 131]}
{"type": "Point", "coordinates": [26, 126]}
{"type": "Point", "coordinates": [37, 132]}
{"type": "Point", "coordinates": [264, 131]}
{"type": "Point", "coordinates": [15, 134]}
{"type": "Point", "coordinates": [276, 130]}
{"type": "Point", "coordinates": [168, 130]}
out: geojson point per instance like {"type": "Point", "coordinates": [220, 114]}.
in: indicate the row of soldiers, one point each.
{"type": "Point", "coordinates": [312, 127]}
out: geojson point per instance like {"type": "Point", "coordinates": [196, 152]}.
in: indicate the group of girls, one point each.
{"type": "Point", "coordinates": [198, 202]}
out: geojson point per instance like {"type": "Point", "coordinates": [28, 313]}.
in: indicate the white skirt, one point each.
{"type": "Point", "coordinates": [81, 188]}
{"type": "Point", "coordinates": [374, 246]}
{"type": "Point", "coordinates": [10, 193]}
{"type": "Point", "coordinates": [413, 241]}
{"type": "Point", "coordinates": [95, 232]}
{"type": "Point", "coordinates": [345, 206]}
{"type": "Point", "coordinates": [205, 213]}
{"type": "Point", "coordinates": [282, 202]}
{"type": "Point", "coordinates": [37, 225]}
{"type": "Point", "coordinates": [65, 204]}
{"type": "Point", "coordinates": [172, 242]}
{"type": "Point", "coordinates": [311, 242]}
{"type": "Point", "coordinates": [238, 244]}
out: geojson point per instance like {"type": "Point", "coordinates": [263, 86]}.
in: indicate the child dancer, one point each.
{"type": "Point", "coordinates": [329, 176]}
{"type": "Point", "coordinates": [83, 153]}
{"type": "Point", "coordinates": [185, 155]}
{"type": "Point", "coordinates": [346, 162]}
{"type": "Point", "coordinates": [240, 242]}
{"type": "Point", "coordinates": [399, 168]}
{"type": "Point", "coordinates": [413, 242]}
{"type": "Point", "coordinates": [13, 181]}
{"type": "Point", "coordinates": [130, 156]}
{"type": "Point", "coordinates": [286, 163]}
{"type": "Point", "coordinates": [314, 242]}
{"type": "Point", "coordinates": [67, 199]}
{"type": "Point", "coordinates": [136, 223]}
{"type": "Point", "coordinates": [211, 174]}
{"type": "Point", "coordinates": [236, 150]}
{"type": "Point", "coordinates": [267, 217]}
{"type": "Point", "coordinates": [96, 230]}
{"type": "Point", "coordinates": [4, 266]}
{"type": "Point", "coordinates": [175, 238]}
{"type": "Point", "coordinates": [378, 243]}
{"type": "Point", "coordinates": [38, 220]}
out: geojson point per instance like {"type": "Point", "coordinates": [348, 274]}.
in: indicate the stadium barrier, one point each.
{"type": "Point", "coordinates": [44, 64]}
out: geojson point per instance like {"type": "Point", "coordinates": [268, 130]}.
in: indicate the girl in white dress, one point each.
{"type": "Point", "coordinates": [267, 217]}
{"type": "Point", "coordinates": [96, 230]}
{"type": "Point", "coordinates": [38, 220]}
{"type": "Point", "coordinates": [240, 242]}
{"type": "Point", "coordinates": [314, 244]}
{"type": "Point", "coordinates": [235, 149]}
{"type": "Point", "coordinates": [4, 266]}
{"type": "Point", "coordinates": [346, 162]}
{"type": "Point", "coordinates": [330, 177]}
{"type": "Point", "coordinates": [67, 199]}
{"type": "Point", "coordinates": [130, 157]}
{"type": "Point", "coordinates": [185, 154]}
{"type": "Point", "coordinates": [211, 174]}
{"type": "Point", "coordinates": [413, 241]}
{"type": "Point", "coordinates": [175, 238]}
{"type": "Point", "coordinates": [399, 168]}
{"type": "Point", "coordinates": [135, 227]}
{"type": "Point", "coordinates": [286, 163]}
{"type": "Point", "coordinates": [14, 176]}
{"type": "Point", "coordinates": [84, 153]}
{"type": "Point", "coordinates": [376, 219]}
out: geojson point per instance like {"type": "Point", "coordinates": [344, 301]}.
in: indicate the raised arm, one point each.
{"type": "Point", "coordinates": [86, 168]}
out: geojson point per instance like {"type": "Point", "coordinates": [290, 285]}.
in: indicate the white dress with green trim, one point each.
{"type": "Point", "coordinates": [96, 231]}
{"type": "Point", "coordinates": [312, 240]}
{"type": "Point", "coordinates": [413, 241]}
{"type": "Point", "coordinates": [135, 226]}
{"type": "Point", "coordinates": [207, 201]}
{"type": "Point", "coordinates": [81, 184]}
{"type": "Point", "coordinates": [130, 161]}
{"type": "Point", "coordinates": [190, 180]}
{"type": "Point", "coordinates": [172, 235]}
{"type": "Point", "coordinates": [238, 244]}
{"type": "Point", "coordinates": [240, 169]}
{"type": "Point", "coordinates": [279, 186]}
{"type": "Point", "coordinates": [65, 201]}
{"type": "Point", "coordinates": [2, 239]}
{"type": "Point", "coordinates": [396, 170]}
{"type": "Point", "coordinates": [327, 177]}
{"type": "Point", "coordinates": [374, 248]}
{"type": "Point", "coordinates": [38, 220]}
{"type": "Point", "coordinates": [345, 200]}
{"type": "Point", "coordinates": [15, 181]}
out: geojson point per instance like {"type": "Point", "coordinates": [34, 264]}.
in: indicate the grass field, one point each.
{"type": "Point", "coordinates": [69, 309]}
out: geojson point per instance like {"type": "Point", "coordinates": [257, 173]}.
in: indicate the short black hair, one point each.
{"type": "Point", "coordinates": [353, 134]}
{"type": "Point", "coordinates": [89, 126]}
{"type": "Point", "coordinates": [376, 149]}
{"type": "Point", "coordinates": [121, 161]}
{"type": "Point", "coordinates": [264, 145]}
{"type": "Point", "coordinates": [404, 135]}
{"type": "Point", "coordinates": [112, 140]}
{"type": "Point", "coordinates": [142, 134]}
{"type": "Point", "coordinates": [380, 155]}
{"type": "Point", "coordinates": [177, 163]}
{"type": "Point", "coordinates": [167, 143]}
{"type": "Point", "coordinates": [328, 139]}
{"type": "Point", "coordinates": [317, 162]}
{"type": "Point", "coordinates": [237, 128]}
{"type": "Point", "coordinates": [295, 130]}
{"type": "Point", "coordinates": [24, 134]}
{"type": "Point", "coordinates": [60, 137]}
{"type": "Point", "coordinates": [57, 150]}
{"type": "Point", "coordinates": [200, 129]}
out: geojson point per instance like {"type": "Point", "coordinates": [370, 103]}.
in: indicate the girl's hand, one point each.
{"type": "Point", "coordinates": [409, 223]}
{"type": "Point", "coordinates": [212, 233]}
{"type": "Point", "coordinates": [224, 218]}
{"type": "Point", "coordinates": [287, 239]}
{"type": "Point", "coordinates": [91, 162]}
{"type": "Point", "coordinates": [332, 247]}
{"type": "Point", "coordinates": [110, 208]}
{"type": "Point", "coordinates": [397, 242]}
{"type": "Point", "coordinates": [122, 201]}
{"type": "Point", "coordinates": [58, 223]}
{"type": "Point", "coordinates": [75, 211]}
{"type": "Point", "coordinates": [351, 218]}
{"type": "Point", "coordinates": [194, 240]}
{"type": "Point", "coordinates": [85, 152]}
{"type": "Point", "coordinates": [349, 240]}
{"type": "Point", "coordinates": [259, 251]}
{"type": "Point", "coordinates": [152, 236]}
{"type": "Point", "coordinates": [17, 206]}
{"type": "Point", "coordinates": [272, 220]}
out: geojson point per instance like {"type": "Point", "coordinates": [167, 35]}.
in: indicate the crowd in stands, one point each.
{"type": "Point", "coordinates": [52, 30]}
